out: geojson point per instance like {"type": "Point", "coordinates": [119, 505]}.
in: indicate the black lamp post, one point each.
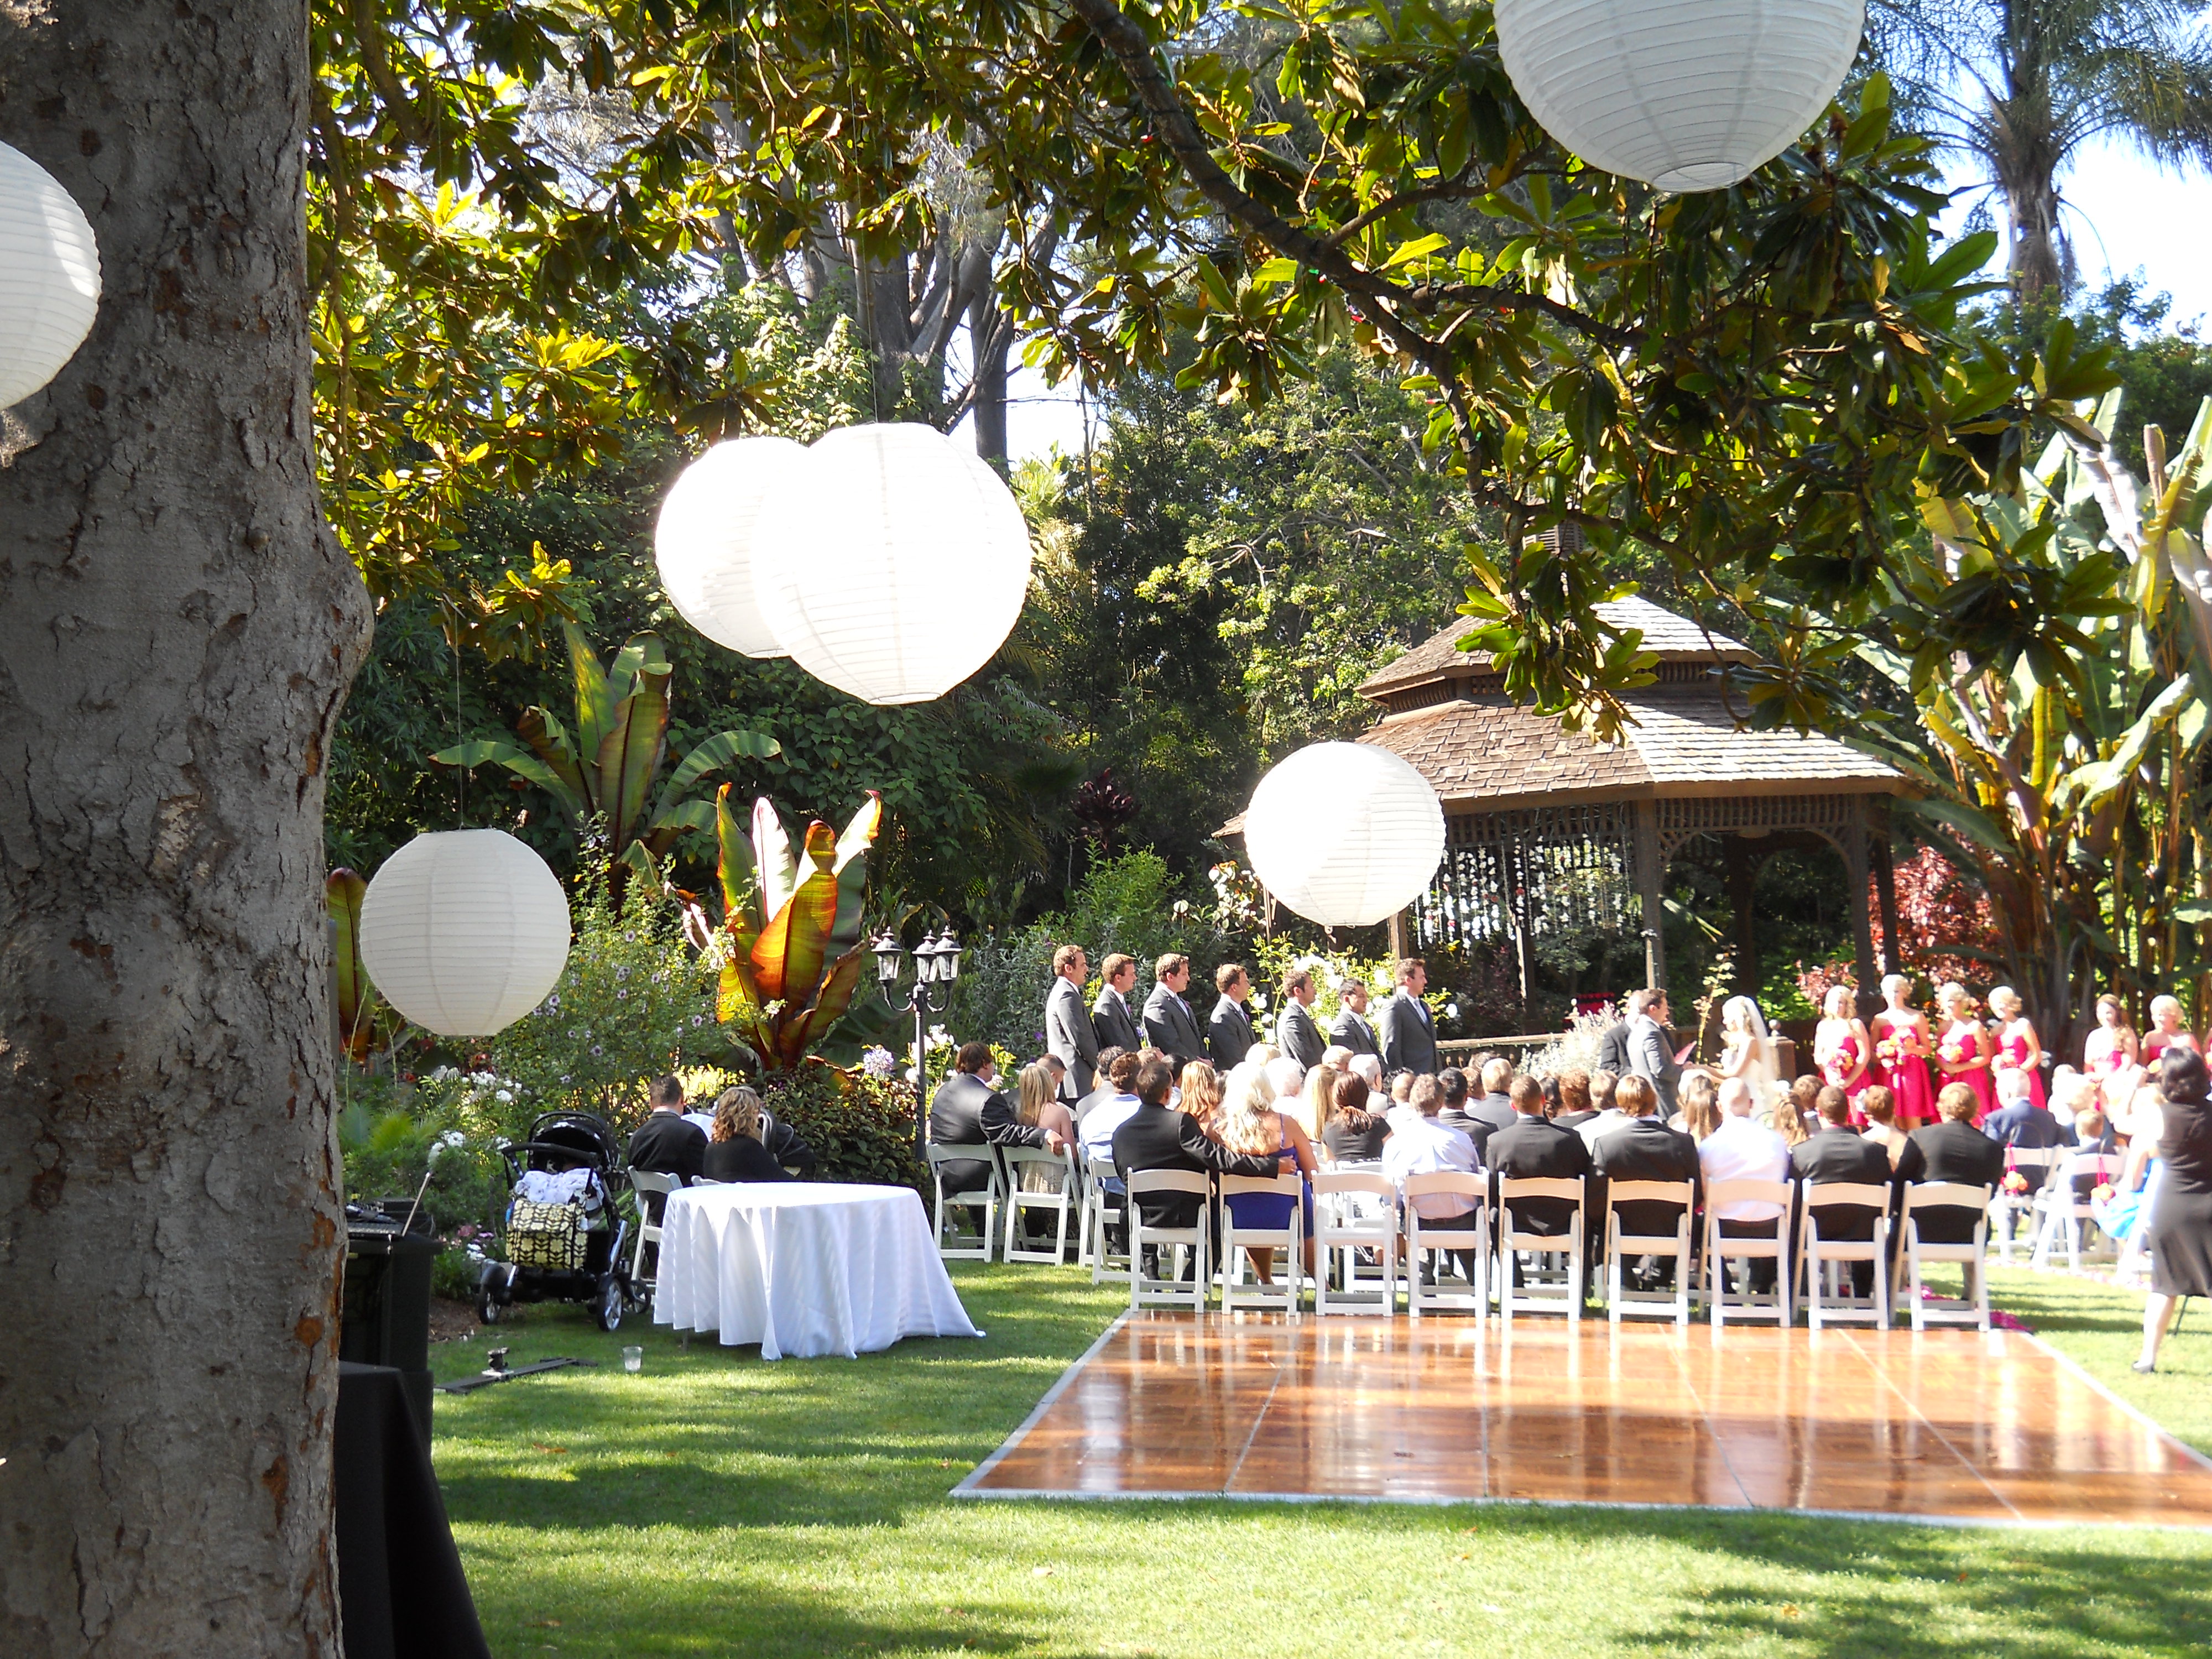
{"type": "Point", "coordinates": [936, 962]}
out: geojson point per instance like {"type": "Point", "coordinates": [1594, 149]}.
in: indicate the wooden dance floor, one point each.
{"type": "Point", "coordinates": [1949, 1425]}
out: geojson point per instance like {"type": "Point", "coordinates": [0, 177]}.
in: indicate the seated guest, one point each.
{"type": "Point", "coordinates": [1421, 1145]}
{"type": "Point", "coordinates": [1550, 1086]}
{"type": "Point", "coordinates": [1605, 1122]}
{"type": "Point", "coordinates": [1156, 1137]}
{"type": "Point", "coordinates": [1575, 1109]}
{"type": "Point", "coordinates": [1602, 1086]}
{"type": "Point", "coordinates": [1879, 1104]}
{"type": "Point", "coordinates": [1317, 1097]}
{"type": "Point", "coordinates": [1645, 1149]}
{"type": "Point", "coordinates": [1743, 1150]}
{"type": "Point", "coordinates": [1495, 1106]}
{"type": "Point", "coordinates": [2092, 1132]}
{"type": "Point", "coordinates": [1533, 1148]}
{"type": "Point", "coordinates": [1453, 1081]}
{"type": "Point", "coordinates": [1251, 1122]}
{"type": "Point", "coordinates": [1951, 1149]}
{"type": "Point", "coordinates": [1526, 1096]}
{"type": "Point", "coordinates": [1104, 1090]}
{"type": "Point", "coordinates": [1368, 1069]}
{"type": "Point", "coordinates": [734, 1152]}
{"type": "Point", "coordinates": [1285, 1073]}
{"type": "Point", "coordinates": [1202, 1088]}
{"type": "Point", "coordinates": [1793, 1114]}
{"type": "Point", "coordinates": [1353, 1134]}
{"type": "Point", "coordinates": [1094, 1140]}
{"type": "Point", "coordinates": [2018, 1120]}
{"type": "Point", "coordinates": [1840, 1156]}
{"type": "Point", "coordinates": [664, 1144]}
{"type": "Point", "coordinates": [1401, 1089]}
{"type": "Point", "coordinates": [1044, 1111]}
{"type": "Point", "coordinates": [967, 1112]}
{"type": "Point", "coordinates": [1699, 1100]}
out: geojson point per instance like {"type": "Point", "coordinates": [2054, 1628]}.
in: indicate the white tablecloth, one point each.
{"type": "Point", "coordinates": [804, 1268]}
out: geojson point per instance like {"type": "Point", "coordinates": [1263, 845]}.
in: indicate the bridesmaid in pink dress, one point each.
{"type": "Point", "coordinates": [2165, 1032]}
{"type": "Point", "coordinates": [2018, 1046]}
{"type": "Point", "coordinates": [1841, 1049]}
{"type": "Point", "coordinates": [1964, 1048]}
{"type": "Point", "coordinates": [2110, 1051]}
{"type": "Point", "coordinates": [1902, 1029]}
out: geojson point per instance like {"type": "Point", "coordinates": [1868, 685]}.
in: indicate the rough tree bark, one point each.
{"type": "Point", "coordinates": [177, 630]}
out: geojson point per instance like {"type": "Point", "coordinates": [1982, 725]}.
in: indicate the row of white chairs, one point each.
{"type": "Point", "coordinates": [2057, 1204]}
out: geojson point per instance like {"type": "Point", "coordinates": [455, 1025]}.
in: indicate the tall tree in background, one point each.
{"type": "Point", "coordinates": [179, 628]}
{"type": "Point", "coordinates": [2019, 88]}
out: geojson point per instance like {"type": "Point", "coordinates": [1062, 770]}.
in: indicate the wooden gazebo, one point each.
{"type": "Point", "coordinates": [1547, 828]}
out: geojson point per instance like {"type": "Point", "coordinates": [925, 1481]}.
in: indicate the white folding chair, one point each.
{"type": "Point", "coordinates": [643, 1182]}
{"type": "Point", "coordinates": [959, 1244]}
{"type": "Point", "coordinates": [1543, 1289]}
{"type": "Point", "coordinates": [1176, 1245]}
{"type": "Point", "coordinates": [1429, 1249]}
{"type": "Point", "coordinates": [1288, 1241]}
{"type": "Point", "coordinates": [1972, 1258]}
{"type": "Point", "coordinates": [1620, 1299]}
{"type": "Point", "coordinates": [1102, 1208]}
{"type": "Point", "coordinates": [1828, 1257]}
{"type": "Point", "coordinates": [1060, 1199]}
{"type": "Point", "coordinates": [2036, 1163]}
{"type": "Point", "coordinates": [1355, 1210]}
{"type": "Point", "coordinates": [1721, 1248]}
{"type": "Point", "coordinates": [2063, 1205]}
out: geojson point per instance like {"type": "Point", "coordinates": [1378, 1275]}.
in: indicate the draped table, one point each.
{"type": "Point", "coordinates": [804, 1268]}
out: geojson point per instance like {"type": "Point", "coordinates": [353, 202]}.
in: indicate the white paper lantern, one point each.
{"type": "Point", "coordinates": [704, 541]}
{"type": "Point", "coordinates": [464, 931]}
{"type": "Point", "coordinates": [1686, 95]}
{"type": "Point", "coordinates": [1345, 834]}
{"type": "Point", "coordinates": [889, 562]}
{"type": "Point", "coordinates": [49, 276]}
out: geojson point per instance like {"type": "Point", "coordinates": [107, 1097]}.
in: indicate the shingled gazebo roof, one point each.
{"type": "Point", "coordinates": [1448, 715]}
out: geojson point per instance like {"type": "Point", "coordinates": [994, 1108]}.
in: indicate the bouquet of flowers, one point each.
{"type": "Point", "coordinates": [1887, 1052]}
{"type": "Point", "coordinates": [1951, 1054]}
{"type": "Point", "coordinates": [2016, 1183]}
{"type": "Point", "coordinates": [2104, 1193]}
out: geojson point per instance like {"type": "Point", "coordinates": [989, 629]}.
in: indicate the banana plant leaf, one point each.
{"type": "Point", "coordinates": [354, 1007]}
{"type": "Point", "coordinates": [498, 751]}
{"type": "Point", "coordinates": [788, 955]}
{"type": "Point", "coordinates": [629, 755]}
{"type": "Point", "coordinates": [549, 739]}
{"type": "Point", "coordinates": [595, 709]}
{"type": "Point", "coordinates": [778, 872]}
{"type": "Point", "coordinates": [711, 754]}
{"type": "Point", "coordinates": [835, 997]}
{"type": "Point", "coordinates": [739, 877]}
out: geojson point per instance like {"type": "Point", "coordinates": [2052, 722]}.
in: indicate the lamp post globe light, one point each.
{"type": "Point", "coordinates": [936, 964]}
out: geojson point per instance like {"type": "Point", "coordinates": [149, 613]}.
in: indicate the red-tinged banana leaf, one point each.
{"type": "Point", "coordinates": [740, 881]}
{"type": "Point", "coordinates": [354, 1006]}
{"type": "Point", "coordinates": [778, 872]}
{"type": "Point", "coordinates": [549, 739]}
{"type": "Point", "coordinates": [860, 834]}
{"type": "Point", "coordinates": [738, 1002]}
{"type": "Point", "coordinates": [595, 709]}
{"type": "Point", "coordinates": [788, 955]}
{"type": "Point", "coordinates": [673, 821]}
{"type": "Point", "coordinates": [799, 1034]}
{"type": "Point", "coordinates": [627, 757]}
{"type": "Point", "coordinates": [852, 870]}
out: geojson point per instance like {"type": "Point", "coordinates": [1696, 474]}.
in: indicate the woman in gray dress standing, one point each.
{"type": "Point", "coordinates": [2181, 1222]}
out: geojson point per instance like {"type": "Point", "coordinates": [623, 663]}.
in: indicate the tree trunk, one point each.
{"type": "Point", "coordinates": [177, 631]}
{"type": "Point", "coordinates": [989, 339]}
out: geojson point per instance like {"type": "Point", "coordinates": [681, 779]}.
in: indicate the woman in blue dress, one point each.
{"type": "Point", "coordinates": [1250, 1123]}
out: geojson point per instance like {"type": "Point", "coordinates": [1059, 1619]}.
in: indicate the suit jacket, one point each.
{"type": "Point", "coordinates": [1842, 1155]}
{"type": "Point", "coordinates": [1478, 1130]}
{"type": "Point", "coordinates": [1951, 1151]}
{"type": "Point", "coordinates": [1228, 1033]}
{"type": "Point", "coordinates": [1644, 1149]}
{"type": "Point", "coordinates": [967, 1112]}
{"type": "Point", "coordinates": [1297, 1034]}
{"type": "Point", "coordinates": [2026, 1125]}
{"type": "Point", "coordinates": [1409, 1034]}
{"type": "Point", "coordinates": [1350, 1031]}
{"type": "Point", "coordinates": [1155, 1138]}
{"type": "Point", "coordinates": [742, 1159]}
{"type": "Point", "coordinates": [1171, 1027]}
{"type": "Point", "coordinates": [1113, 1023]}
{"type": "Point", "coordinates": [1531, 1149]}
{"type": "Point", "coordinates": [1496, 1110]}
{"type": "Point", "coordinates": [785, 1146]}
{"type": "Point", "coordinates": [1651, 1059]}
{"type": "Point", "coordinates": [1068, 1037]}
{"type": "Point", "coordinates": [1613, 1049]}
{"type": "Point", "coordinates": [665, 1145]}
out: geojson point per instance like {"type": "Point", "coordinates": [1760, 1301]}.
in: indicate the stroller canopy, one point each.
{"type": "Point", "coordinates": [582, 1137]}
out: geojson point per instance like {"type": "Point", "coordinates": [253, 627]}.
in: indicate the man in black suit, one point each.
{"type": "Point", "coordinates": [1297, 1034]}
{"type": "Point", "coordinates": [1951, 1149]}
{"type": "Point", "coordinates": [1155, 1138]}
{"type": "Point", "coordinates": [1575, 1107]}
{"type": "Point", "coordinates": [1067, 1033]}
{"type": "Point", "coordinates": [1495, 1106]}
{"type": "Point", "coordinates": [1112, 1019]}
{"type": "Point", "coordinates": [1612, 1042]}
{"type": "Point", "coordinates": [1229, 1029]}
{"type": "Point", "coordinates": [1645, 1149]}
{"type": "Point", "coordinates": [1837, 1154]}
{"type": "Point", "coordinates": [1409, 1031]}
{"type": "Point", "coordinates": [1532, 1148]}
{"type": "Point", "coordinates": [1454, 1114]}
{"type": "Point", "coordinates": [664, 1144]}
{"type": "Point", "coordinates": [967, 1112]}
{"type": "Point", "coordinates": [1169, 1026]}
{"type": "Point", "coordinates": [1350, 1029]}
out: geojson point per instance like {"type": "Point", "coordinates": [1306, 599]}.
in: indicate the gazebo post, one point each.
{"type": "Point", "coordinates": [1742, 861]}
{"type": "Point", "coordinates": [1885, 886]}
{"type": "Point", "coordinates": [1855, 839]}
{"type": "Point", "coordinates": [1651, 892]}
{"type": "Point", "coordinates": [1402, 937]}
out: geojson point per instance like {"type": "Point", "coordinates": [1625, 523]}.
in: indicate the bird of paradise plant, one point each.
{"type": "Point", "coordinates": [793, 949]}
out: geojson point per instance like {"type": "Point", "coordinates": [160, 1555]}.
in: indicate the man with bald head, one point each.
{"type": "Point", "coordinates": [1741, 1149]}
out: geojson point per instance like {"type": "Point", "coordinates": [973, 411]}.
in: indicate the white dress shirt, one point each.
{"type": "Point", "coordinates": [1421, 1146]}
{"type": "Point", "coordinates": [1741, 1150]}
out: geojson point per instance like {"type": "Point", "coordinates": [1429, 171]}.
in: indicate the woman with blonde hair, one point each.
{"type": "Point", "coordinates": [1747, 1051]}
{"type": "Point", "coordinates": [1787, 1116]}
{"type": "Point", "coordinates": [1200, 1086]}
{"type": "Point", "coordinates": [2165, 1032]}
{"type": "Point", "coordinates": [2018, 1046]}
{"type": "Point", "coordinates": [734, 1149]}
{"type": "Point", "coordinates": [1699, 1098]}
{"type": "Point", "coordinates": [1318, 1100]}
{"type": "Point", "coordinates": [1840, 1047]}
{"type": "Point", "coordinates": [2110, 1048]}
{"type": "Point", "coordinates": [1902, 1044]}
{"type": "Point", "coordinates": [1036, 1105]}
{"type": "Point", "coordinates": [1964, 1050]}
{"type": "Point", "coordinates": [1251, 1123]}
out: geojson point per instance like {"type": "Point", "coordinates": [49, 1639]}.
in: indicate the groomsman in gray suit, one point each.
{"type": "Point", "coordinates": [1351, 1030]}
{"type": "Point", "coordinates": [1409, 1032]}
{"type": "Point", "coordinates": [1169, 1026]}
{"type": "Point", "coordinates": [1297, 1034]}
{"type": "Point", "coordinates": [1067, 1034]}
{"type": "Point", "coordinates": [1229, 1029]}
{"type": "Point", "coordinates": [1111, 1017]}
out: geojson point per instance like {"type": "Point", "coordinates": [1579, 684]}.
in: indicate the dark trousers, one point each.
{"type": "Point", "coordinates": [1763, 1269]}
{"type": "Point", "coordinates": [1454, 1224]}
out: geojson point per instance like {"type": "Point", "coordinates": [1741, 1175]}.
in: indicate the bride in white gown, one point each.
{"type": "Point", "coordinates": [1747, 1051]}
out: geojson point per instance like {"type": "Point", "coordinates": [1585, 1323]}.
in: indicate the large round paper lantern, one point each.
{"type": "Point", "coordinates": [704, 541]}
{"type": "Point", "coordinates": [464, 931]}
{"type": "Point", "coordinates": [1345, 834]}
{"type": "Point", "coordinates": [1686, 95]}
{"type": "Point", "coordinates": [890, 563]}
{"type": "Point", "coordinates": [49, 276]}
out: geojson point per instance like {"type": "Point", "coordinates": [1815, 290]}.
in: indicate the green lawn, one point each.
{"type": "Point", "coordinates": [715, 1505]}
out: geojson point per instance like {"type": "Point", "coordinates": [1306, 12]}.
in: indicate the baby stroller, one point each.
{"type": "Point", "coordinates": [563, 1236]}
